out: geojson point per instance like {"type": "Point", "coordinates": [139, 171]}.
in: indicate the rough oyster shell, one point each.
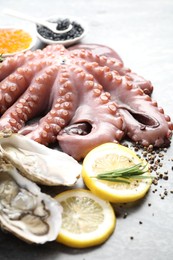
{"type": "Point", "coordinates": [24, 210]}
{"type": "Point", "coordinates": [38, 162]}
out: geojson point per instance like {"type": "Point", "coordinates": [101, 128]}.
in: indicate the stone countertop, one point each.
{"type": "Point", "coordinates": [141, 32]}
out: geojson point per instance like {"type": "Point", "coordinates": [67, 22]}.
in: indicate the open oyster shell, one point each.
{"type": "Point", "coordinates": [38, 162]}
{"type": "Point", "coordinates": [24, 210]}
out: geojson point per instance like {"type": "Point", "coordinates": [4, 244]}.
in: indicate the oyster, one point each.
{"type": "Point", "coordinates": [38, 162]}
{"type": "Point", "coordinates": [24, 210]}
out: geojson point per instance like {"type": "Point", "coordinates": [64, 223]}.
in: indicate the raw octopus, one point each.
{"type": "Point", "coordinates": [84, 96]}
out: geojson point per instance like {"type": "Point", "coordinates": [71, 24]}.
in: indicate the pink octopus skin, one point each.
{"type": "Point", "coordinates": [105, 51]}
{"type": "Point", "coordinates": [83, 99]}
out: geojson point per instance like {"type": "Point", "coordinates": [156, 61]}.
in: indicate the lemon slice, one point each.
{"type": "Point", "coordinates": [86, 220]}
{"type": "Point", "coordinates": [112, 156]}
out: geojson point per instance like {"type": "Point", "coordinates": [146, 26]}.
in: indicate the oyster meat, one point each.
{"type": "Point", "coordinates": [24, 210]}
{"type": "Point", "coordinates": [39, 163]}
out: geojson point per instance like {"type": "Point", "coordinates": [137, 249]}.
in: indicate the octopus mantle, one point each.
{"type": "Point", "coordinates": [83, 96]}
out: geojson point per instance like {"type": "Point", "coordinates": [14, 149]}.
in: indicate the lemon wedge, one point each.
{"type": "Point", "coordinates": [86, 220]}
{"type": "Point", "coordinates": [109, 157]}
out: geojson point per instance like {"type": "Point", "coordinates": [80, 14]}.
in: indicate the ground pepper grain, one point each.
{"type": "Point", "coordinates": [14, 40]}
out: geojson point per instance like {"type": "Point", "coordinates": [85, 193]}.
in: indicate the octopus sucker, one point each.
{"type": "Point", "coordinates": [99, 53]}
{"type": "Point", "coordinates": [144, 113]}
{"type": "Point", "coordinates": [86, 128]}
{"type": "Point", "coordinates": [83, 96]}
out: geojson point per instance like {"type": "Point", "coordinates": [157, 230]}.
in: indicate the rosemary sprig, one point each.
{"type": "Point", "coordinates": [1, 58]}
{"type": "Point", "coordinates": [123, 175]}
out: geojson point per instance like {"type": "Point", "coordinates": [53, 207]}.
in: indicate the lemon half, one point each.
{"type": "Point", "coordinates": [112, 156]}
{"type": "Point", "coordinates": [86, 220]}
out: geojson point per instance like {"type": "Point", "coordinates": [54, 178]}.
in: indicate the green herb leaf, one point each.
{"type": "Point", "coordinates": [1, 58]}
{"type": "Point", "coordinates": [123, 175]}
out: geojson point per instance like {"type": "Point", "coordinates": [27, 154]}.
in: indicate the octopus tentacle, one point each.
{"type": "Point", "coordinates": [114, 64]}
{"type": "Point", "coordinates": [15, 85]}
{"type": "Point", "coordinates": [145, 121]}
{"type": "Point", "coordinates": [10, 64]}
{"type": "Point", "coordinates": [86, 128]}
{"type": "Point", "coordinates": [61, 112]}
{"type": "Point", "coordinates": [30, 104]}
{"type": "Point", "coordinates": [97, 49]}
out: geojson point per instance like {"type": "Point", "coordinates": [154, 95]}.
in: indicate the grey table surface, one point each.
{"type": "Point", "coordinates": [141, 32]}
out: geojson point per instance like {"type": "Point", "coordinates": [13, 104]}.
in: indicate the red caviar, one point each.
{"type": "Point", "coordinates": [14, 40]}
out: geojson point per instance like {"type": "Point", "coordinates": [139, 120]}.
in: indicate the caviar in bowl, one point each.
{"type": "Point", "coordinates": [75, 34]}
{"type": "Point", "coordinates": [16, 39]}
